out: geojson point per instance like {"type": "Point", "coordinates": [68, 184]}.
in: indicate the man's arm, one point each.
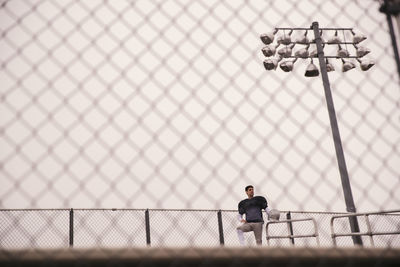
{"type": "Point", "coordinates": [241, 211]}
{"type": "Point", "coordinates": [268, 211]}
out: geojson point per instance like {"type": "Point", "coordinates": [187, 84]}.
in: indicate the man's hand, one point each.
{"type": "Point", "coordinates": [243, 221]}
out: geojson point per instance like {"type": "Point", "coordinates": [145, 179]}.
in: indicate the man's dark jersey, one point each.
{"type": "Point", "coordinates": [252, 208]}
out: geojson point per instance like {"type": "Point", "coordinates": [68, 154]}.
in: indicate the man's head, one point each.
{"type": "Point", "coordinates": [249, 191]}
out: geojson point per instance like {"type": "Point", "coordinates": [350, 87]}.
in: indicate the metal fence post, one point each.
{"type": "Point", "coordinates": [71, 228]}
{"type": "Point", "coordinates": [220, 228]}
{"type": "Point", "coordinates": [290, 226]}
{"type": "Point", "coordinates": [147, 221]}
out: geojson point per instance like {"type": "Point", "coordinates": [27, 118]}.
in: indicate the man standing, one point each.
{"type": "Point", "coordinates": [252, 207]}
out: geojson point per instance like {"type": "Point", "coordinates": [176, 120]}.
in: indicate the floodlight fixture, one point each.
{"type": "Point", "coordinates": [303, 39]}
{"type": "Point", "coordinates": [285, 38]}
{"type": "Point", "coordinates": [271, 64]}
{"type": "Point", "coordinates": [329, 66]}
{"type": "Point", "coordinates": [347, 65]}
{"type": "Point", "coordinates": [312, 70]}
{"type": "Point", "coordinates": [358, 38]}
{"type": "Point", "coordinates": [286, 51]}
{"type": "Point", "coordinates": [342, 52]}
{"type": "Point", "coordinates": [269, 50]}
{"type": "Point", "coordinates": [268, 38]}
{"type": "Point", "coordinates": [302, 53]}
{"type": "Point", "coordinates": [287, 65]}
{"type": "Point", "coordinates": [366, 64]}
{"type": "Point", "coordinates": [334, 39]}
{"type": "Point", "coordinates": [361, 51]}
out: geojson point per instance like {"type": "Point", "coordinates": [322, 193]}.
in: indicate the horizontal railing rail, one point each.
{"type": "Point", "coordinates": [290, 234]}
{"type": "Point", "coordinates": [369, 232]}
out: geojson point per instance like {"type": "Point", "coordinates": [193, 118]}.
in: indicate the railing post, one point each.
{"type": "Point", "coordinates": [290, 226]}
{"type": "Point", "coordinates": [369, 229]}
{"type": "Point", "coordinates": [147, 221]}
{"type": "Point", "coordinates": [71, 228]}
{"type": "Point", "coordinates": [220, 229]}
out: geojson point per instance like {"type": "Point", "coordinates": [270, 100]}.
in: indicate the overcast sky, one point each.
{"type": "Point", "coordinates": [166, 104]}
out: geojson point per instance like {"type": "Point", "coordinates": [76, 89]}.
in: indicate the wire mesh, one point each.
{"type": "Point", "coordinates": [166, 105]}
{"type": "Point", "coordinates": [34, 228]}
{"type": "Point", "coordinates": [125, 228]}
{"type": "Point", "coordinates": [108, 228]}
{"type": "Point", "coordinates": [184, 228]}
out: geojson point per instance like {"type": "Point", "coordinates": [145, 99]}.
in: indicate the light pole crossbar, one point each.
{"type": "Point", "coordinates": [324, 43]}
{"type": "Point", "coordinates": [310, 29]}
{"type": "Point", "coordinates": [336, 57]}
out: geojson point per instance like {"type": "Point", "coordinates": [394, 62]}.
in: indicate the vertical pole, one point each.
{"type": "Point", "coordinates": [71, 228]}
{"type": "Point", "coordinates": [220, 229]}
{"type": "Point", "coordinates": [348, 196]}
{"type": "Point", "coordinates": [147, 222]}
{"type": "Point", "coordinates": [392, 35]}
{"type": "Point", "coordinates": [290, 226]}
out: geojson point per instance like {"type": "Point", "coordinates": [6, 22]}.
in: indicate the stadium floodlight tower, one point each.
{"type": "Point", "coordinates": [285, 40]}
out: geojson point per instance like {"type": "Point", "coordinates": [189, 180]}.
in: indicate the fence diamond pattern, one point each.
{"type": "Point", "coordinates": [166, 104]}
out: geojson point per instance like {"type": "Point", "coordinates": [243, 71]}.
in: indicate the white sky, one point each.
{"type": "Point", "coordinates": [166, 104]}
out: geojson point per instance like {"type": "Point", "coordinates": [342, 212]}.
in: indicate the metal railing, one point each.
{"type": "Point", "coordinates": [369, 229]}
{"type": "Point", "coordinates": [290, 234]}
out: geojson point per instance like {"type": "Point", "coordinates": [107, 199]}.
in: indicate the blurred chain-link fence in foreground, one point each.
{"type": "Point", "coordinates": [166, 105]}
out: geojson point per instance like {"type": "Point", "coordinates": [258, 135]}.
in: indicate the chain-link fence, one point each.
{"type": "Point", "coordinates": [113, 228]}
{"type": "Point", "coordinates": [166, 105]}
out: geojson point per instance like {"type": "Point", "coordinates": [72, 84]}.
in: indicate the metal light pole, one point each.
{"type": "Point", "coordinates": [313, 71]}
{"type": "Point", "coordinates": [344, 176]}
{"type": "Point", "coordinates": [392, 8]}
